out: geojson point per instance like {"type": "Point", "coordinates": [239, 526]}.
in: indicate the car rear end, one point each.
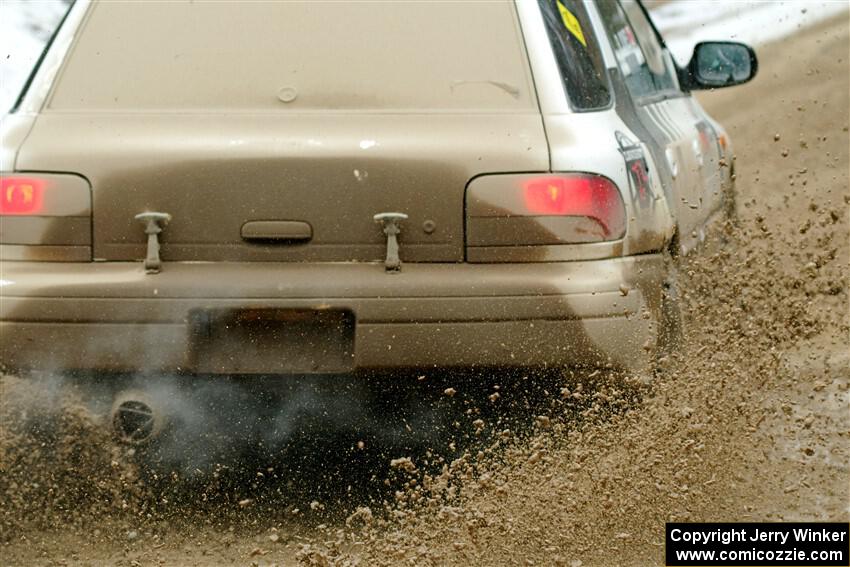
{"type": "Point", "coordinates": [267, 137]}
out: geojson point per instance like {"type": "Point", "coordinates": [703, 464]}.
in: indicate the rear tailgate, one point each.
{"type": "Point", "coordinates": [214, 174]}
{"type": "Point", "coordinates": [223, 114]}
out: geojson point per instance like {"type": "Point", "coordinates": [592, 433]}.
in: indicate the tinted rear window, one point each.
{"type": "Point", "coordinates": [313, 55]}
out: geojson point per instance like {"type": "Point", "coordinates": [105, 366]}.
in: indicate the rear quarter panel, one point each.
{"type": "Point", "coordinates": [587, 141]}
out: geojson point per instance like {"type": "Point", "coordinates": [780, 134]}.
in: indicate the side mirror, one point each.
{"type": "Point", "coordinates": [718, 64]}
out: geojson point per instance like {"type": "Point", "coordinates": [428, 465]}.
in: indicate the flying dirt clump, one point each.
{"type": "Point", "coordinates": [48, 478]}
{"type": "Point", "coordinates": [695, 449]}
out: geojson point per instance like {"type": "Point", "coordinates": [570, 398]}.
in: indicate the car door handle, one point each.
{"type": "Point", "coordinates": [285, 231]}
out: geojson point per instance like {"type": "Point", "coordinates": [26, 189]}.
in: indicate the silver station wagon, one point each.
{"type": "Point", "coordinates": [235, 188]}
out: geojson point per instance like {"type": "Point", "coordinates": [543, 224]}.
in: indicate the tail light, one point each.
{"type": "Point", "coordinates": [21, 195]}
{"type": "Point", "coordinates": [45, 216]}
{"type": "Point", "coordinates": [543, 217]}
{"type": "Point", "coordinates": [584, 196]}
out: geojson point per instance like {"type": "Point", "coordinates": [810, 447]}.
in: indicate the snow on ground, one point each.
{"type": "Point", "coordinates": [26, 25]}
{"type": "Point", "coordinates": [683, 23]}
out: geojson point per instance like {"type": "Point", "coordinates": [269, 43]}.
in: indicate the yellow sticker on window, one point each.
{"type": "Point", "coordinates": [571, 23]}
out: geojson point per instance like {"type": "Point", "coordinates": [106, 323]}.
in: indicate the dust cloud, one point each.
{"type": "Point", "coordinates": [748, 422]}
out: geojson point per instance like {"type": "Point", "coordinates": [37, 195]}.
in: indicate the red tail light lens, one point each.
{"type": "Point", "coordinates": [578, 195]}
{"type": "Point", "coordinates": [45, 216]}
{"type": "Point", "coordinates": [21, 195]}
{"type": "Point", "coordinates": [543, 217]}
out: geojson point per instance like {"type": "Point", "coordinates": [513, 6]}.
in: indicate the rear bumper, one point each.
{"type": "Point", "coordinates": [112, 316]}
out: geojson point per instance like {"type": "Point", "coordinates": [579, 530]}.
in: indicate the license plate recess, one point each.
{"type": "Point", "coordinates": [272, 341]}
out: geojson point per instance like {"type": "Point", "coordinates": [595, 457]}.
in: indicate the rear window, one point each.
{"type": "Point", "coordinates": [297, 56]}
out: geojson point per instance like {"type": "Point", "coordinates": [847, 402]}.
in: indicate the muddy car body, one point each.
{"type": "Point", "coordinates": [193, 187]}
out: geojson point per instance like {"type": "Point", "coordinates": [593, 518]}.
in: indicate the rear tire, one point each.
{"type": "Point", "coordinates": [730, 201]}
{"type": "Point", "coordinates": [670, 332]}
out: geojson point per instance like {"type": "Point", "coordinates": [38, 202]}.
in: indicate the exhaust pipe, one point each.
{"type": "Point", "coordinates": [136, 418]}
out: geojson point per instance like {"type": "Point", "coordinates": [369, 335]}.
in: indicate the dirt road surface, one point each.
{"type": "Point", "coordinates": [750, 423]}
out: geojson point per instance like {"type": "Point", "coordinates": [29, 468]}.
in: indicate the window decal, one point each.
{"type": "Point", "coordinates": [571, 23]}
